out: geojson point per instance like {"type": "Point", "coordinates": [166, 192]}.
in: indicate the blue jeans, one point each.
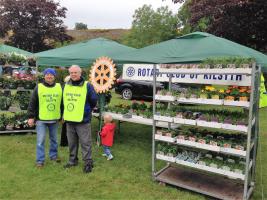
{"type": "Point", "coordinates": [107, 150]}
{"type": "Point", "coordinates": [40, 147]}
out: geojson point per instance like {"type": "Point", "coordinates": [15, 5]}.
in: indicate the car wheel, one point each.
{"type": "Point", "coordinates": [127, 94]}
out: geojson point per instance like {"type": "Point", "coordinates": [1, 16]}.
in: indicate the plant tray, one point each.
{"type": "Point", "coordinates": [236, 103]}
{"type": "Point", "coordinates": [235, 127]}
{"type": "Point", "coordinates": [163, 118]}
{"type": "Point", "coordinates": [209, 124]}
{"type": "Point", "coordinates": [229, 174]}
{"type": "Point", "coordinates": [178, 120]}
{"type": "Point", "coordinates": [166, 158]}
{"type": "Point", "coordinates": [198, 145]}
{"type": "Point", "coordinates": [211, 101]}
{"type": "Point", "coordinates": [233, 151]}
{"type": "Point", "coordinates": [165, 97]}
{"type": "Point", "coordinates": [190, 121]}
{"type": "Point", "coordinates": [137, 117]}
{"type": "Point", "coordinates": [188, 100]}
{"type": "Point", "coordinates": [165, 138]}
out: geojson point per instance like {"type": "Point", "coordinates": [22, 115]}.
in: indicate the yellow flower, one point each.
{"type": "Point", "coordinates": [212, 89]}
{"type": "Point", "coordinates": [207, 88]}
{"type": "Point", "coordinates": [221, 91]}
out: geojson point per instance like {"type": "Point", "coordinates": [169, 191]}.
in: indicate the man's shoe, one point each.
{"type": "Point", "coordinates": [87, 168]}
{"type": "Point", "coordinates": [69, 165]}
{"type": "Point", "coordinates": [39, 165]}
{"type": "Point", "coordinates": [57, 160]}
{"type": "Point", "coordinates": [110, 157]}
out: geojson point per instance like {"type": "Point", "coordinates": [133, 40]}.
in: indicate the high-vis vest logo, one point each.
{"type": "Point", "coordinates": [74, 100]}
{"type": "Point", "coordinates": [263, 95]}
{"type": "Point", "coordinates": [49, 101]}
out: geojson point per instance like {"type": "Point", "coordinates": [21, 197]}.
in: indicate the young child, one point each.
{"type": "Point", "coordinates": [107, 134]}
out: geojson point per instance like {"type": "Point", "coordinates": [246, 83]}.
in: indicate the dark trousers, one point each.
{"type": "Point", "coordinates": [79, 133]}
{"type": "Point", "coordinates": [64, 139]}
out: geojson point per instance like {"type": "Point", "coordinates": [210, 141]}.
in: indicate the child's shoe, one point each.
{"type": "Point", "coordinates": [110, 157]}
{"type": "Point", "coordinates": [105, 155]}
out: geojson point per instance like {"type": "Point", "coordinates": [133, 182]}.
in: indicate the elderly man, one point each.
{"type": "Point", "coordinates": [44, 108]}
{"type": "Point", "coordinates": [79, 99]}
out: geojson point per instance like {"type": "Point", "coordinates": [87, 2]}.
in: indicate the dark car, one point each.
{"type": "Point", "coordinates": [129, 89]}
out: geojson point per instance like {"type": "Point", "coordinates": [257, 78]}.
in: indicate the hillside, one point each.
{"type": "Point", "coordinates": [113, 34]}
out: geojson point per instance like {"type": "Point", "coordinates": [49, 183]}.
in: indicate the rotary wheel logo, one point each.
{"type": "Point", "coordinates": [130, 71]}
{"type": "Point", "coordinates": [70, 107]}
{"type": "Point", "coordinates": [102, 74]}
{"type": "Point", "coordinates": [51, 107]}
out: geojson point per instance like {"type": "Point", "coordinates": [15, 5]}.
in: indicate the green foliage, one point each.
{"type": "Point", "coordinates": [32, 24]}
{"type": "Point", "coordinates": [5, 102]}
{"type": "Point", "coordinates": [225, 62]}
{"type": "Point", "coordinates": [184, 16]}
{"type": "Point", "coordinates": [80, 26]}
{"type": "Point", "coordinates": [150, 27]}
{"type": "Point", "coordinates": [3, 58]}
{"type": "Point", "coordinates": [128, 176]}
{"type": "Point", "coordinates": [239, 20]}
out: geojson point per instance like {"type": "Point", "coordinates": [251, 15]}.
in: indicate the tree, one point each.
{"type": "Point", "coordinates": [80, 26]}
{"type": "Point", "coordinates": [150, 27]}
{"type": "Point", "coordinates": [33, 24]}
{"type": "Point", "coordinates": [243, 21]}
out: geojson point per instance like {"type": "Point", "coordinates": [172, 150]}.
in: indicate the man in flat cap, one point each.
{"type": "Point", "coordinates": [45, 111]}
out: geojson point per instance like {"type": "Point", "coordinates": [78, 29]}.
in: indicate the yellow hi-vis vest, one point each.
{"type": "Point", "coordinates": [49, 101]}
{"type": "Point", "coordinates": [74, 100]}
{"type": "Point", "coordinates": [263, 95]}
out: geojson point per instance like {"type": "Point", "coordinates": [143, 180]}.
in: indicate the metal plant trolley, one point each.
{"type": "Point", "coordinates": [16, 109]}
{"type": "Point", "coordinates": [206, 180]}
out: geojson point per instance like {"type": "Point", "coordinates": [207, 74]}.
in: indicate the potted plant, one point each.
{"type": "Point", "coordinates": [3, 59]}
{"type": "Point", "coordinates": [181, 95]}
{"type": "Point", "coordinates": [5, 102]}
{"type": "Point", "coordinates": [227, 144]}
{"type": "Point", "coordinates": [2, 82]}
{"type": "Point", "coordinates": [142, 106]}
{"type": "Point", "coordinates": [16, 59]}
{"type": "Point", "coordinates": [229, 95]}
{"type": "Point", "coordinates": [221, 93]}
{"type": "Point", "coordinates": [2, 122]}
{"type": "Point", "coordinates": [192, 137]}
{"type": "Point", "coordinates": [203, 94]}
{"type": "Point", "coordinates": [29, 84]}
{"type": "Point", "coordinates": [23, 98]}
{"type": "Point", "coordinates": [160, 148]}
{"type": "Point", "coordinates": [10, 123]}
{"type": "Point", "coordinates": [172, 151]}
{"type": "Point", "coordinates": [201, 140]}
{"type": "Point", "coordinates": [213, 93]}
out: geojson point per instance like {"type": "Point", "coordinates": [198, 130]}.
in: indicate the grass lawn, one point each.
{"type": "Point", "coordinates": [128, 176]}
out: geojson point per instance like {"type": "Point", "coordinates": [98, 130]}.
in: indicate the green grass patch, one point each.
{"type": "Point", "coordinates": [128, 176]}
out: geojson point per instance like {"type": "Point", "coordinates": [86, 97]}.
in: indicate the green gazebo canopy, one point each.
{"type": "Point", "coordinates": [9, 49]}
{"type": "Point", "coordinates": [192, 48]}
{"type": "Point", "coordinates": [82, 54]}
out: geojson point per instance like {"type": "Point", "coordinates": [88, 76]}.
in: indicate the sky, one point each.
{"type": "Point", "coordinates": [108, 14]}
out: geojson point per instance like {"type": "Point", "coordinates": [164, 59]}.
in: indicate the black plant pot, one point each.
{"type": "Point", "coordinates": [12, 86]}
{"type": "Point", "coordinates": [4, 107]}
{"type": "Point", "coordinates": [23, 106]}
{"type": "Point", "coordinates": [2, 62]}
{"type": "Point", "coordinates": [29, 85]}
{"type": "Point", "coordinates": [17, 127]}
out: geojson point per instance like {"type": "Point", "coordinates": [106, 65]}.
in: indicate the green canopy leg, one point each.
{"type": "Point", "coordinates": [101, 103]}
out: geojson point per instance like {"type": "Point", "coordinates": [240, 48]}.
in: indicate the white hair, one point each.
{"type": "Point", "coordinates": [75, 67]}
